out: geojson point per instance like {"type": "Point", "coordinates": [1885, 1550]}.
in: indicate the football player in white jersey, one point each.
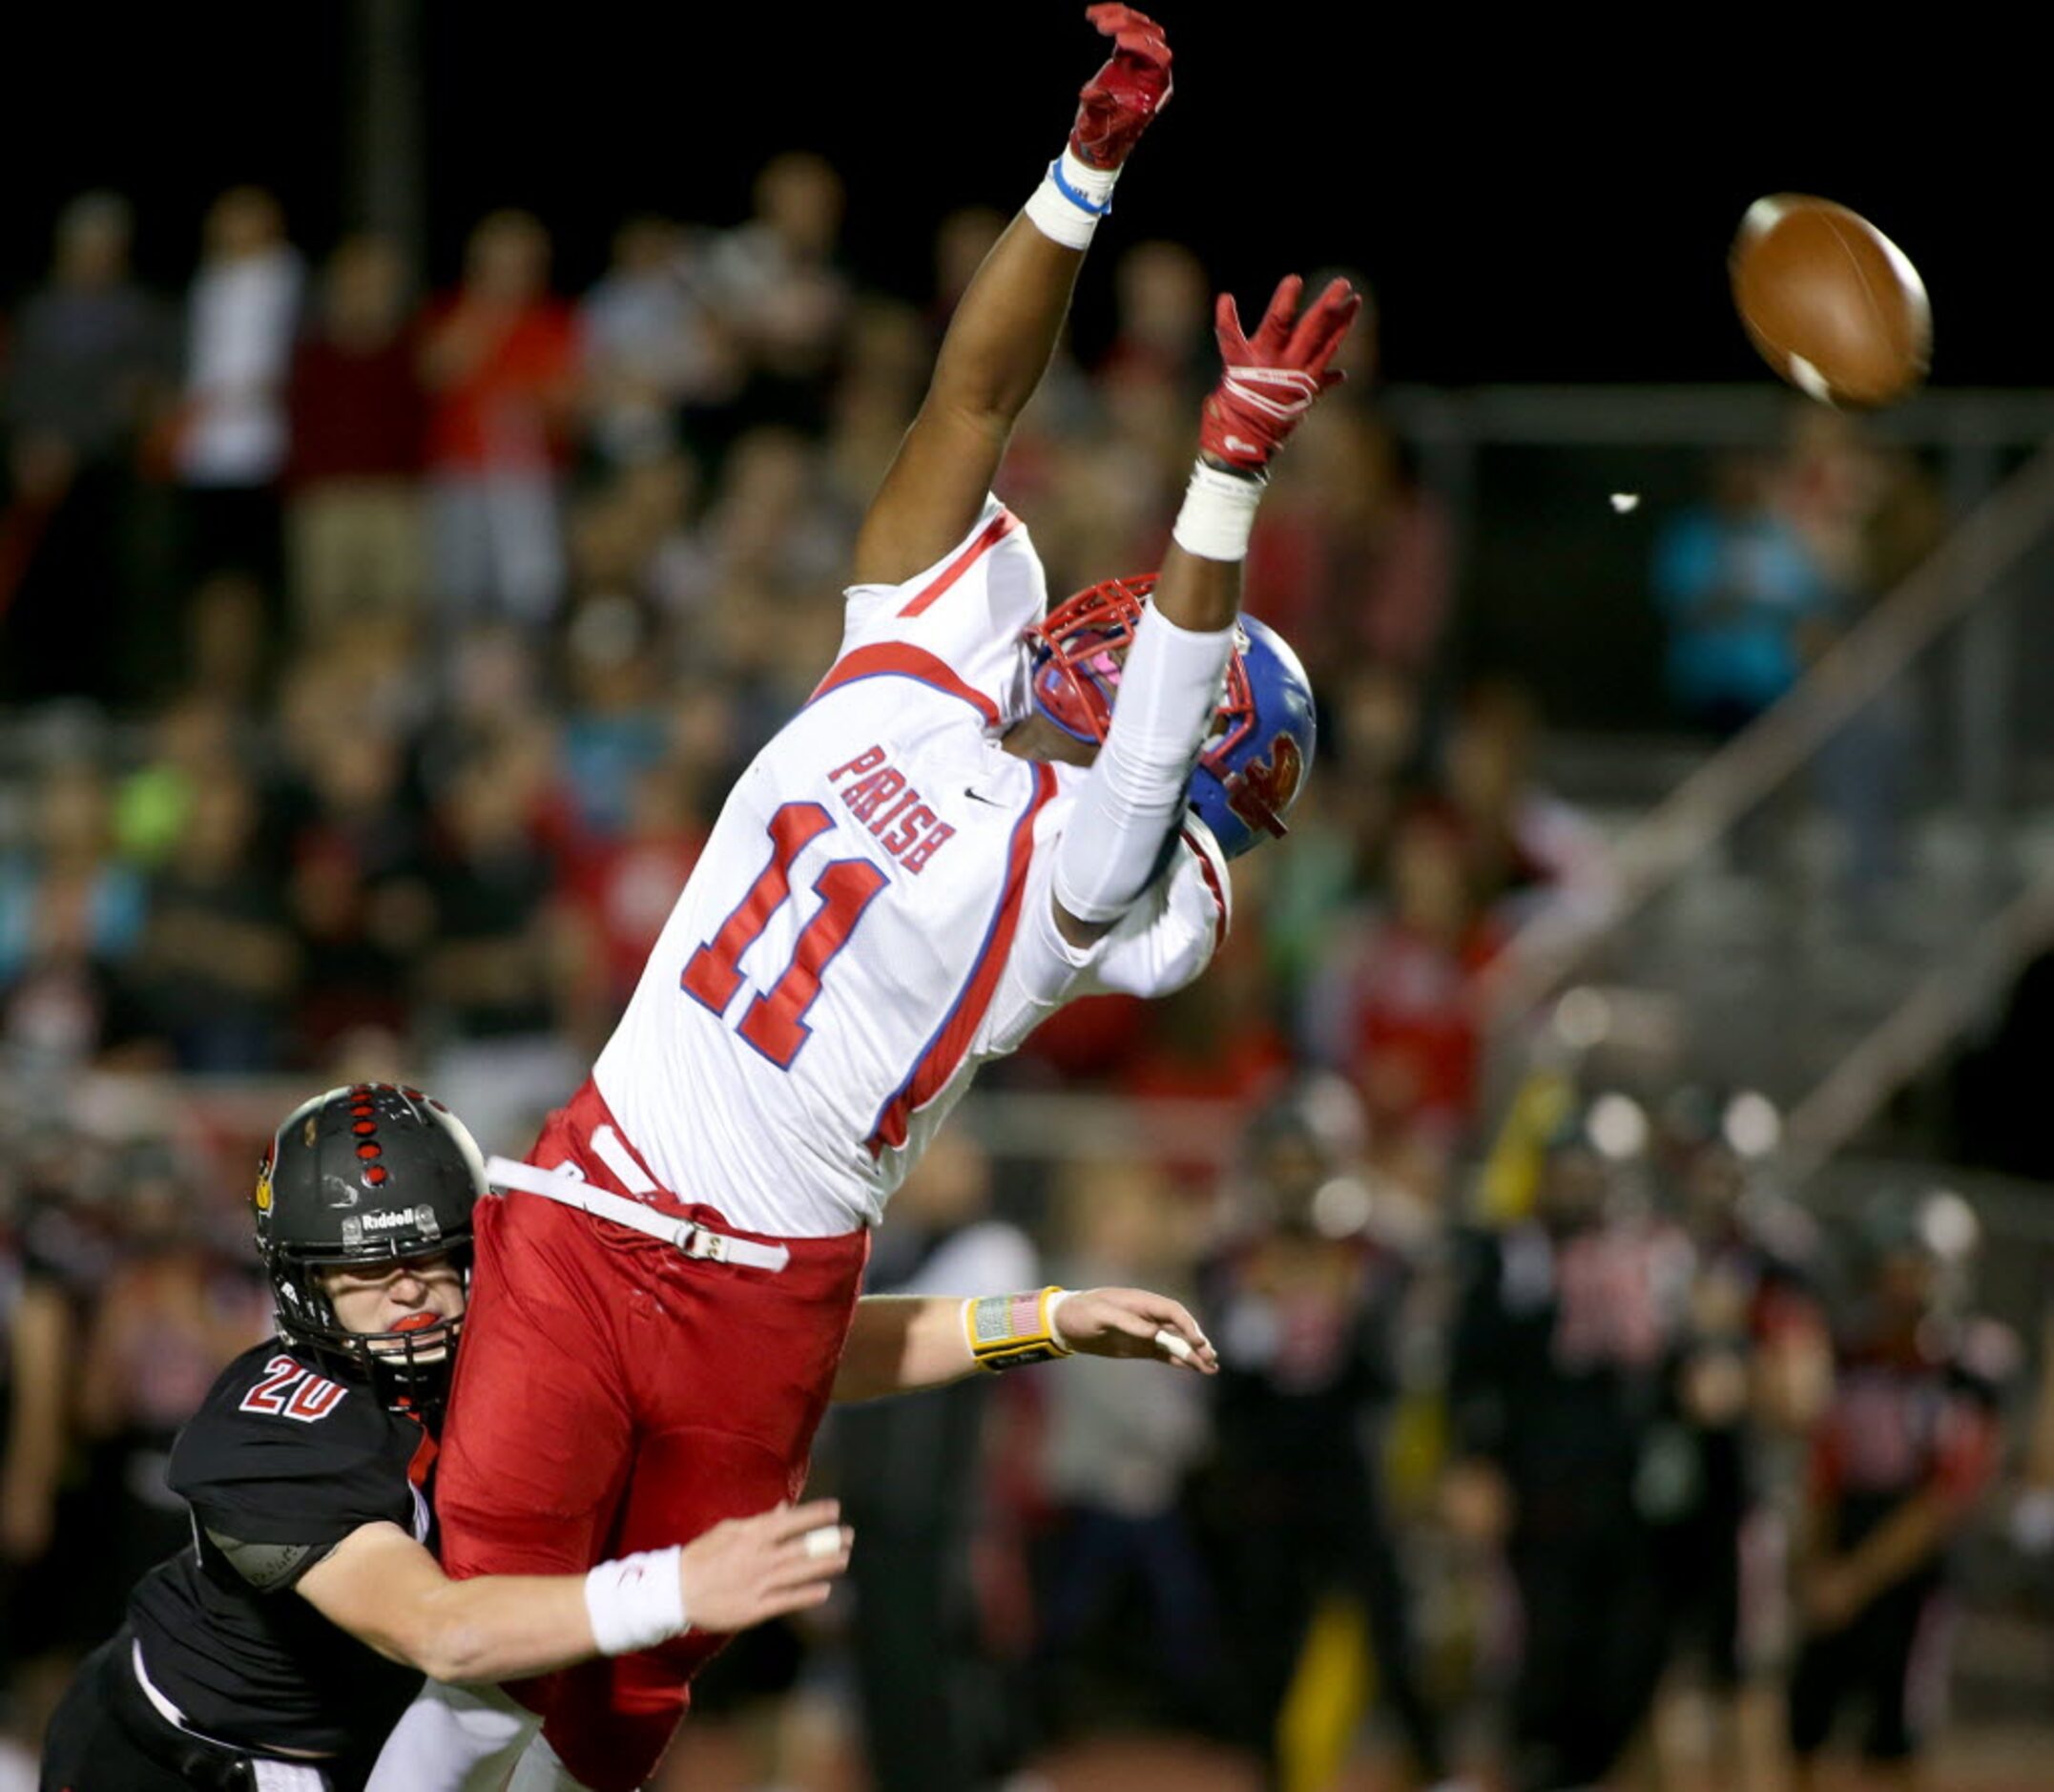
{"type": "Point", "coordinates": [960, 831]}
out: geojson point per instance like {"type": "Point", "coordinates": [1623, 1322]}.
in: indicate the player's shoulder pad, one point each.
{"type": "Point", "coordinates": [996, 534]}
{"type": "Point", "coordinates": [275, 1415]}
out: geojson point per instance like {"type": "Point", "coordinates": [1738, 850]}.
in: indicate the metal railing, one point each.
{"type": "Point", "coordinates": [1748, 957]}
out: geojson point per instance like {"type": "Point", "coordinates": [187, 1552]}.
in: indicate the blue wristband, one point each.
{"type": "Point", "coordinates": [1082, 201]}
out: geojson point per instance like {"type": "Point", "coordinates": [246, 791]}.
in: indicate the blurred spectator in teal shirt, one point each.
{"type": "Point", "coordinates": [1743, 594]}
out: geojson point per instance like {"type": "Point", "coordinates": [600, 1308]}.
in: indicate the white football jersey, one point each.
{"type": "Point", "coordinates": [872, 916]}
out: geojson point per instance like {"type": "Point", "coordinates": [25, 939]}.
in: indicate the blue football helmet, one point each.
{"type": "Point", "coordinates": [1254, 762]}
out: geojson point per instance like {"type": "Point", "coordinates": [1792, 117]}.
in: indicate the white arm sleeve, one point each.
{"type": "Point", "coordinates": [1114, 844]}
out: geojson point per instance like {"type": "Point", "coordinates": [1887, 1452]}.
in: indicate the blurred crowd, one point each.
{"type": "Point", "coordinates": [375, 662]}
{"type": "Point", "coordinates": [435, 627]}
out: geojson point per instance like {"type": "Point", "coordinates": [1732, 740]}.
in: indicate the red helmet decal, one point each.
{"type": "Point", "coordinates": [1262, 790]}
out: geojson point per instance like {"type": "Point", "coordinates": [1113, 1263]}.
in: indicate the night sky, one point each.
{"type": "Point", "coordinates": [1554, 205]}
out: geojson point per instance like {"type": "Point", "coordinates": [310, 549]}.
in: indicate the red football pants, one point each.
{"type": "Point", "coordinates": [611, 1395]}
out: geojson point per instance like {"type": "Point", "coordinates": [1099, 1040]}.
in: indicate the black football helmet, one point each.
{"type": "Point", "coordinates": [365, 1175]}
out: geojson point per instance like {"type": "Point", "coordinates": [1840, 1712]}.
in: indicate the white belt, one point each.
{"type": "Point", "coordinates": [565, 1185]}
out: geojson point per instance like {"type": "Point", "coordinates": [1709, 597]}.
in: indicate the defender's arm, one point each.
{"type": "Point", "coordinates": [390, 1592]}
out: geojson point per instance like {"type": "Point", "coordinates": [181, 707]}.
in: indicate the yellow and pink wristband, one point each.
{"type": "Point", "coordinates": [1007, 1331]}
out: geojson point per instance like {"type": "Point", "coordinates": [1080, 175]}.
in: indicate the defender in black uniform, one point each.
{"type": "Point", "coordinates": [1563, 1355]}
{"type": "Point", "coordinates": [1311, 1316]}
{"type": "Point", "coordinates": [281, 1648]}
{"type": "Point", "coordinates": [1900, 1458]}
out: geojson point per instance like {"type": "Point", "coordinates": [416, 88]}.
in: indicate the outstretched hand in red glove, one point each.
{"type": "Point", "coordinates": [1123, 97]}
{"type": "Point", "coordinates": [1272, 377]}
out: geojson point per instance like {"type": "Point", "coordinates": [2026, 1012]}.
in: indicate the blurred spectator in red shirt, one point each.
{"type": "Point", "coordinates": [234, 432]}
{"type": "Point", "coordinates": [1530, 854]}
{"type": "Point", "coordinates": [1394, 1010]}
{"type": "Point", "coordinates": [91, 353]}
{"type": "Point", "coordinates": [1214, 1042]}
{"type": "Point", "coordinates": [1083, 1041]}
{"type": "Point", "coordinates": [500, 359]}
{"type": "Point", "coordinates": [618, 895]}
{"type": "Point", "coordinates": [353, 519]}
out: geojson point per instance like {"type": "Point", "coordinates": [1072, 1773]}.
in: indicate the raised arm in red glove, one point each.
{"type": "Point", "coordinates": [1272, 377]}
{"type": "Point", "coordinates": [1116, 106]}
{"type": "Point", "coordinates": [1005, 325]}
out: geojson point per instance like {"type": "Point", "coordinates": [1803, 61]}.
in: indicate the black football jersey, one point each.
{"type": "Point", "coordinates": [279, 1464]}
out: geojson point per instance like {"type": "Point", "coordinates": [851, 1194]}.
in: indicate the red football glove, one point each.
{"type": "Point", "coordinates": [1127, 93]}
{"type": "Point", "coordinates": [1271, 382]}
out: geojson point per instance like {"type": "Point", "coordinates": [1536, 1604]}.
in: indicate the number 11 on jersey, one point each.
{"type": "Point", "coordinates": [775, 1022]}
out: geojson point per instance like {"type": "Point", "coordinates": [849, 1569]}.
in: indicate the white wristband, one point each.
{"type": "Point", "coordinates": [1055, 1306]}
{"type": "Point", "coordinates": [636, 1602]}
{"type": "Point", "coordinates": [1071, 198]}
{"type": "Point", "coordinates": [1219, 510]}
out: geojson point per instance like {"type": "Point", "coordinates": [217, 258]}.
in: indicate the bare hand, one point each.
{"type": "Point", "coordinates": [746, 1569]}
{"type": "Point", "coordinates": [1134, 1322]}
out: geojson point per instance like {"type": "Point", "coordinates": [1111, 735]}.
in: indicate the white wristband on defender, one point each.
{"type": "Point", "coordinates": [1219, 510]}
{"type": "Point", "coordinates": [1071, 198]}
{"type": "Point", "coordinates": [637, 1602]}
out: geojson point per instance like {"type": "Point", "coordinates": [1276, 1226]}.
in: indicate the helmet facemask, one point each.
{"type": "Point", "coordinates": [410, 1366]}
